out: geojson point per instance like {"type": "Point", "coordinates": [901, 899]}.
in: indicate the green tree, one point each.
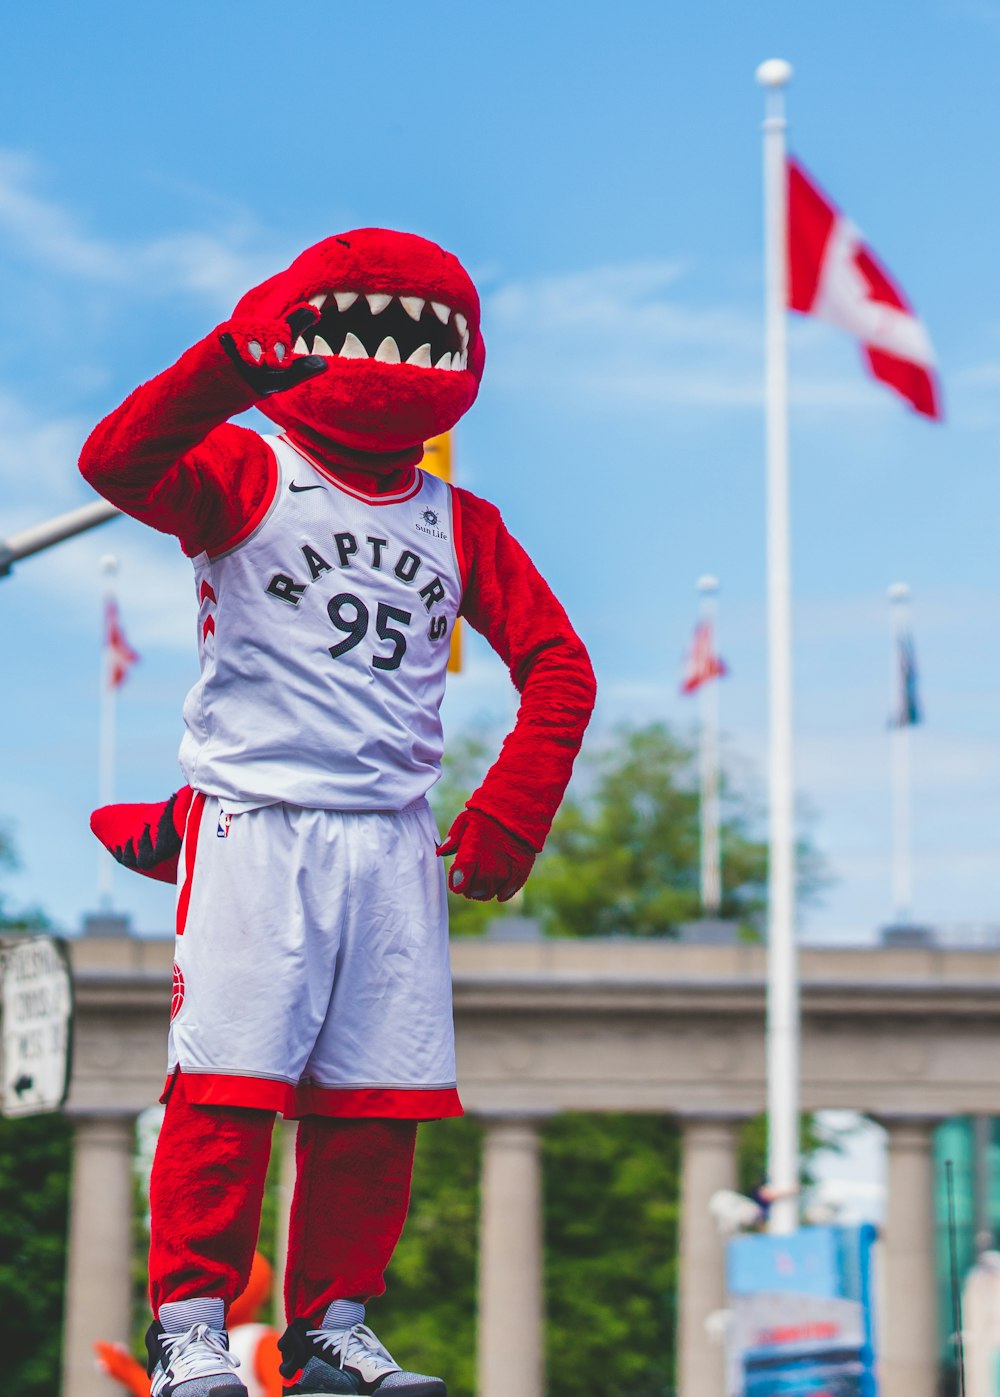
{"type": "Point", "coordinates": [34, 1193]}
{"type": "Point", "coordinates": [623, 855]}
{"type": "Point", "coordinates": [611, 1215]}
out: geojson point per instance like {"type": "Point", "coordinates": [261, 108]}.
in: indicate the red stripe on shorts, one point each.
{"type": "Point", "coordinates": [191, 828]}
{"type": "Point", "coordinates": [353, 1103]}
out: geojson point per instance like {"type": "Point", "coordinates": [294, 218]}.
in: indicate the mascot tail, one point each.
{"type": "Point", "coordinates": [146, 838]}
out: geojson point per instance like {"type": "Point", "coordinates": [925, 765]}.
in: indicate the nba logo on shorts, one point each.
{"type": "Point", "coordinates": [224, 821]}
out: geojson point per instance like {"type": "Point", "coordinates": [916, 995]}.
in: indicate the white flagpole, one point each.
{"type": "Point", "coordinates": [711, 858]}
{"type": "Point", "coordinates": [899, 739]}
{"type": "Point", "coordinates": [782, 969]}
{"type": "Point", "coordinates": [106, 775]}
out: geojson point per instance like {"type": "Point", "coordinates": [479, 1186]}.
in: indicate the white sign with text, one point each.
{"type": "Point", "coordinates": [36, 1006]}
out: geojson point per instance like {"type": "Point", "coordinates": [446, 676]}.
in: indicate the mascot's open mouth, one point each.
{"type": "Point", "coordinates": [391, 329]}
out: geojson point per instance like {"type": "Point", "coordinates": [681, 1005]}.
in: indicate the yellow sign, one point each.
{"type": "Point", "coordinates": [437, 460]}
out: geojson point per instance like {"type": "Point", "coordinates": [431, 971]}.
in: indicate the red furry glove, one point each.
{"type": "Point", "coordinates": [264, 353]}
{"type": "Point", "coordinates": [489, 860]}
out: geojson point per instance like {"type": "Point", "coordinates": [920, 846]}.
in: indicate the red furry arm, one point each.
{"type": "Point", "coordinates": [168, 457]}
{"type": "Point", "coordinates": [511, 604]}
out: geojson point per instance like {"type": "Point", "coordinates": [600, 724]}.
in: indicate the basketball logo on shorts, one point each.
{"type": "Point", "coordinates": [177, 994]}
{"type": "Point", "coordinates": [222, 832]}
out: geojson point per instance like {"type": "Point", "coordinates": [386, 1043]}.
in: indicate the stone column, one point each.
{"type": "Point", "coordinates": [510, 1337]}
{"type": "Point", "coordinates": [907, 1331]}
{"type": "Point", "coordinates": [708, 1163]}
{"type": "Point", "coordinates": [98, 1268]}
{"type": "Point", "coordinates": [284, 1143]}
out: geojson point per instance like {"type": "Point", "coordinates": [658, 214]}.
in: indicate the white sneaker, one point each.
{"type": "Point", "coordinates": [193, 1363]}
{"type": "Point", "coordinates": [346, 1360]}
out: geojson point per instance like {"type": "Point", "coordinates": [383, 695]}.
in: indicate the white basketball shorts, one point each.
{"type": "Point", "coordinates": [311, 970]}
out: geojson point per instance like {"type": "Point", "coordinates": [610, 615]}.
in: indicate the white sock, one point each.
{"type": "Point", "coordinates": [179, 1316]}
{"type": "Point", "coordinates": [342, 1314]}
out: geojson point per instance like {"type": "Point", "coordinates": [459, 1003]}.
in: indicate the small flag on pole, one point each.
{"type": "Point", "coordinates": [120, 655]}
{"type": "Point", "coordinates": [832, 274]}
{"type": "Point", "coordinates": [703, 663]}
{"type": "Point", "coordinates": [908, 713]}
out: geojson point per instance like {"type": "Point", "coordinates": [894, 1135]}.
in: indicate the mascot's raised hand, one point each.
{"type": "Point", "coordinates": [264, 354]}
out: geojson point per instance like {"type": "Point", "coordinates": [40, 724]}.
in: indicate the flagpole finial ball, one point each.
{"type": "Point", "coordinates": [774, 72]}
{"type": "Point", "coordinates": [109, 564]}
{"type": "Point", "coordinates": [899, 591]}
{"type": "Point", "coordinates": [708, 583]}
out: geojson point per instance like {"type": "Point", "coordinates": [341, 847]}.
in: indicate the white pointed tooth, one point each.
{"type": "Point", "coordinates": [388, 351]}
{"type": "Point", "coordinates": [320, 346]}
{"type": "Point", "coordinates": [413, 305]}
{"type": "Point", "coordinates": [441, 311]}
{"type": "Point", "coordinates": [444, 362]}
{"type": "Point", "coordinates": [462, 324]}
{"type": "Point", "coordinates": [378, 301]}
{"type": "Point", "coordinates": [353, 348]}
{"type": "Point", "coordinates": [345, 299]}
{"type": "Point", "coordinates": [421, 356]}
{"type": "Point", "coordinates": [300, 346]}
{"type": "Point", "coordinates": [319, 300]}
{"type": "Point", "coordinates": [461, 361]}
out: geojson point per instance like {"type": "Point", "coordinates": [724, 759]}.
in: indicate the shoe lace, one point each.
{"type": "Point", "coordinates": [198, 1352]}
{"type": "Point", "coordinates": [356, 1342]}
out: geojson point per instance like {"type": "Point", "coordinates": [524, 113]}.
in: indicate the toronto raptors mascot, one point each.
{"type": "Point", "coordinates": [312, 972]}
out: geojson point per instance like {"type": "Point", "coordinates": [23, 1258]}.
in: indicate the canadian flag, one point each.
{"type": "Point", "coordinates": [119, 654]}
{"type": "Point", "coordinates": [703, 663]}
{"type": "Point", "coordinates": [836, 276]}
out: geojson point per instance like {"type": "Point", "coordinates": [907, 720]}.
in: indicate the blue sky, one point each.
{"type": "Point", "coordinates": [597, 167]}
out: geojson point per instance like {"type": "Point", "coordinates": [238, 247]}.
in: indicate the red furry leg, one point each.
{"type": "Point", "coordinates": [352, 1191]}
{"type": "Point", "coordinates": [205, 1194]}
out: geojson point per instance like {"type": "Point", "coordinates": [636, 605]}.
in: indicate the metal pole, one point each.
{"type": "Point", "coordinates": [899, 740]}
{"type": "Point", "coordinates": [782, 970]}
{"type": "Point", "coordinates": [64, 526]}
{"type": "Point", "coordinates": [708, 697]}
{"type": "Point", "coordinates": [106, 778]}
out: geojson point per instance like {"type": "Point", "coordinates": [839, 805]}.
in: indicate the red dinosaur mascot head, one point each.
{"type": "Point", "coordinates": [399, 329]}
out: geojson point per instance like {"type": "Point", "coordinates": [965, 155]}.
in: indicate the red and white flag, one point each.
{"type": "Point", "coordinates": [119, 654]}
{"type": "Point", "coordinates": [834, 275]}
{"type": "Point", "coordinates": [703, 663]}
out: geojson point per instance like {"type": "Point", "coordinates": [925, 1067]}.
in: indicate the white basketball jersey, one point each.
{"type": "Point", "coordinates": [324, 637]}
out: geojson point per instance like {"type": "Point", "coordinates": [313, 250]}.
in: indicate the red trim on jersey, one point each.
{"type": "Point", "coordinates": [413, 479]}
{"type": "Point", "coordinates": [192, 826]}
{"type": "Point", "coordinates": [352, 1103]}
{"type": "Point", "coordinates": [258, 515]}
{"type": "Point", "coordinates": [456, 528]}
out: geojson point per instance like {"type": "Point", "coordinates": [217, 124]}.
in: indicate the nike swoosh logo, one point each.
{"type": "Point", "coordinates": [298, 489]}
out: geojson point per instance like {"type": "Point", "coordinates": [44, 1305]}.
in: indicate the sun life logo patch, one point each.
{"type": "Point", "coordinates": [431, 519]}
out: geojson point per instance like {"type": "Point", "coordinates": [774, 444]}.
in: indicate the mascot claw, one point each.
{"type": "Point", "coordinates": [265, 358]}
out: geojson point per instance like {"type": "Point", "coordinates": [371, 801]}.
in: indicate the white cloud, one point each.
{"type": "Point", "coordinates": [630, 336]}
{"type": "Point", "coordinates": [215, 266]}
